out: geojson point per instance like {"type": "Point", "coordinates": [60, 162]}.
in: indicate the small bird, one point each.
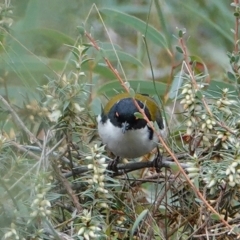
{"type": "Point", "coordinates": [123, 133]}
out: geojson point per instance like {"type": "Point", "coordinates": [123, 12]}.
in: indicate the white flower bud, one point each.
{"type": "Point", "coordinates": [45, 203]}
{"type": "Point", "coordinates": [189, 131]}
{"type": "Point", "coordinates": [192, 175]}
{"type": "Point", "coordinates": [225, 146]}
{"type": "Point", "coordinates": [39, 195]}
{"type": "Point", "coordinates": [185, 90]}
{"type": "Point", "coordinates": [205, 138]}
{"type": "Point", "coordinates": [34, 214]}
{"type": "Point", "coordinates": [230, 178]}
{"type": "Point", "coordinates": [35, 202]}
{"type": "Point", "coordinates": [212, 183]}
{"type": "Point", "coordinates": [8, 235]}
{"type": "Point", "coordinates": [189, 102]}
{"type": "Point", "coordinates": [102, 160]}
{"type": "Point", "coordinates": [187, 97]}
{"type": "Point", "coordinates": [234, 164]}
{"type": "Point", "coordinates": [182, 101]}
{"type": "Point", "coordinates": [192, 169]}
{"type": "Point", "coordinates": [101, 178]}
{"type": "Point", "coordinates": [232, 184]}
{"type": "Point", "coordinates": [210, 126]}
{"type": "Point", "coordinates": [48, 212]}
{"type": "Point", "coordinates": [91, 234]}
{"type": "Point", "coordinates": [103, 169]}
{"type": "Point", "coordinates": [78, 108]}
{"type": "Point", "coordinates": [86, 236]}
{"type": "Point", "coordinates": [90, 166]}
{"type": "Point", "coordinates": [81, 230]}
{"type": "Point", "coordinates": [189, 123]}
{"type": "Point", "coordinates": [103, 205]}
{"type": "Point", "coordinates": [95, 228]}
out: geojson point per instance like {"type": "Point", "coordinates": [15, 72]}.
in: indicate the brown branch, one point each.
{"type": "Point", "coordinates": [67, 187]}
{"type": "Point", "coordinates": [24, 150]}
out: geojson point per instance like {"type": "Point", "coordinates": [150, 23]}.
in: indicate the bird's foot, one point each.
{"type": "Point", "coordinates": [157, 162]}
{"type": "Point", "coordinates": [112, 165]}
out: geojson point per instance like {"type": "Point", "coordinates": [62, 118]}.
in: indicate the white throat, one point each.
{"type": "Point", "coordinates": [131, 144]}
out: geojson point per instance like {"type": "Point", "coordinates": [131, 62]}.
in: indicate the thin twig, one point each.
{"type": "Point", "coordinates": [24, 150]}
{"type": "Point", "coordinates": [67, 187]}
{"type": "Point", "coordinates": [20, 123]}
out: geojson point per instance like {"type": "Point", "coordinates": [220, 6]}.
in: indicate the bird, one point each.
{"type": "Point", "coordinates": [121, 129]}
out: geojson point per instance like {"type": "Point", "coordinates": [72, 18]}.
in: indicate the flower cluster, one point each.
{"type": "Point", "coordinates": [192, 168]}
{"type": "Point", "coordinates": [99, 167]}
{"type": "Point", "coordinates": [88, 228]}
{"type": "Point", "coordinates": [225, 138]}
{"type": "Point", "coordinates": [211, 179]}
{"type": "Point", "coordinates": [6, 14]}
{"type": "Point", "coordinates": [192, 105]}
{"type": "Point", "coordinates": [233, 173]}
{"type": "Point", "coordinates": [34, 110]}
{"type": "Point", "coordinates": [40, 205]}
{"type": "Point", "coordinates": [224, 103]}
{"type": "Point", "coordinates": [68, 92]}
{"type": "Point", "coordinates": [207, 127]}
{"type": "Point", "coordinates": [92, 228]}
{"type": "Point", "coordinates": [11, 234]}
{"type": "Point", "coordinates": [189, 96]}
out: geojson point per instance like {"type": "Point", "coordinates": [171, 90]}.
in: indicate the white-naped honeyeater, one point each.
{"type": "Point", "coordinates": [123, 133]}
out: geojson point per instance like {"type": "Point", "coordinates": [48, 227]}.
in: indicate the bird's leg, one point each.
{"type": "Point", "coordinates": [112, 165]}
{"type": "Point", "coordinates": [157, 161]}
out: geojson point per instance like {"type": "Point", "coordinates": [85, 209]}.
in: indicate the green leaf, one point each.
{"type": "Point", "coordinates": [215, 217]}
{"type": "Point", "coordinates": [131, 91]}
{"type": "Point", "coordinates": [199, 95]}
{"type": "Point", "coordinates": [179, 49]}
{"type": "Point", "coordinates": [152, 33]}
{"type": "Point", "coordinates": [27, 68]}
{"type": "Point", "coordinates": [236, 14]}
{"type": "Point", "coordinates": [119, 55]}
{"type": "Point", "coordinates": [176, 84]}
{"type": "Point", "coordinates": [144, 86]}
{"type": "Point", "coordinates": [103, 70]}
{"type": "Point", "coordinates": [231, 76]}
{"type": "Point", "coordinates": [138, 115]}
{"type": "Point", "coordinates": [174, 167]}
{"type": "Point", "coordinates": [180, 33]}
{"type": "Point", "coordinates": [140, 218]}
{"type": "Point", "coordinates": [51, 35]}
{"type": "Point", "coordinates": [201, 15]}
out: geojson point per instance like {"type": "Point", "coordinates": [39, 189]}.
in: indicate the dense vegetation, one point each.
{"type": "Point", "coordinates": [60, 61]}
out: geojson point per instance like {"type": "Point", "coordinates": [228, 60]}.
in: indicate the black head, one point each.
{"type": "Point", "coordinates": [122, 115]}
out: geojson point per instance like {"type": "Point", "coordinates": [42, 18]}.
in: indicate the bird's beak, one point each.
{"type": "Point", "coordinates": [125, 127]}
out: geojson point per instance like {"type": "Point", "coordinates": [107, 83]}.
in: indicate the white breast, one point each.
{"type": "Point", "coordinates": [131, 144]}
